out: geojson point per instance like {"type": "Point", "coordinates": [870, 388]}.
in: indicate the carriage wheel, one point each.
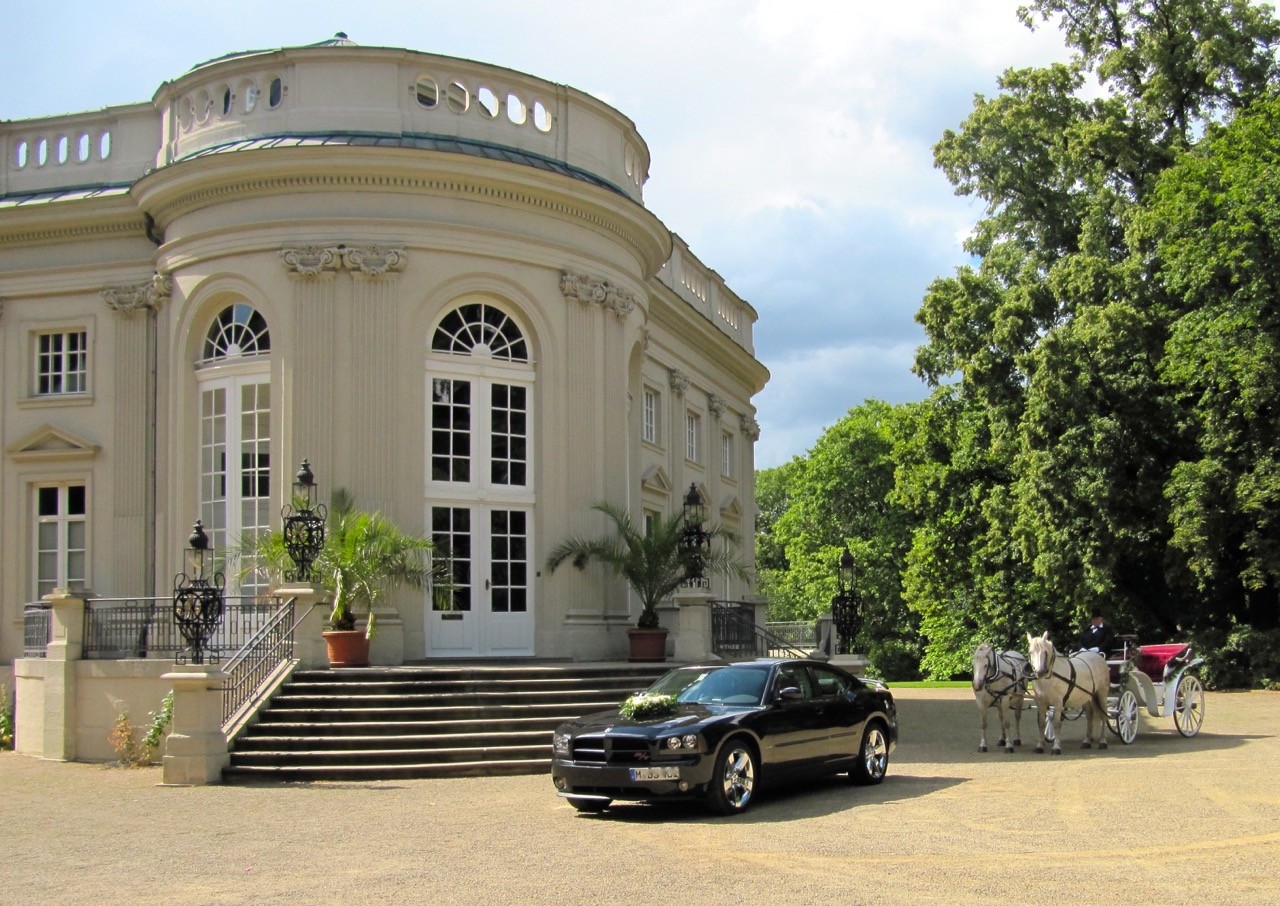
{"type": "Point", "coordinates": [1125, 724]}
{"type": "Point", "coordinates": [1188, 712]}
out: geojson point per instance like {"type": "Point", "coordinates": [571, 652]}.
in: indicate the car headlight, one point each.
{"type": "Point", "coordinates": [689, 742]}
{"type": "Point", "coordinates": [560, 743]}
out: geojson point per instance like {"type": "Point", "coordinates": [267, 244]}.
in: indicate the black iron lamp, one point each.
{"type": "Point", "coordinates": [696, 540]}
{"type": "Point", "coordinates": [303, 526]}
{"type": "Point", "coordinates": [198, 600]}
{"type": "Point", "coordinates": [846, 606]}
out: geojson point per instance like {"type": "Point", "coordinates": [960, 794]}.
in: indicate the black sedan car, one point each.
{"type": "Point", "coordinates": [722, 730]}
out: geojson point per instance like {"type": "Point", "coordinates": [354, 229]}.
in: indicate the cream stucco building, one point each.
{"type": "Point", "coordinates": [435, 279]}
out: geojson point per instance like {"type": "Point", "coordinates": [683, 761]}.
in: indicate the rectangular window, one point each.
{"type": "Point", "coordinates": [650, 416]}
{"type": "Point", "coordinates": [62, 362]}
{"type": "Point", "coordinates": [726, 454]}
{"type": "Point", "coordinates": [692, 430]}
{"type": "Point", "coordinates": [61, 538]}
{"type": "Point", "coordinates": [450, 430]}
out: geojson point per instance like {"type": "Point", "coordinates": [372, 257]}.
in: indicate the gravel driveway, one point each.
{"type": "Point", "coordinates": [1167, 820]}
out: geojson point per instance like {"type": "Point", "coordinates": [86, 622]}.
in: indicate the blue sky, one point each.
{"type": "Point", "coordinates": [791, 139]}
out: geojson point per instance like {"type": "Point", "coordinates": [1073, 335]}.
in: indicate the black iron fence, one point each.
{"type": "Point", "coordinates": [37, 628]}
{"type": "Point", "coordinates": [255, 663]}
{"type": "Point", "coordinates": [735, 635]}
{"type": "Point", "coordinates": [144, 627]}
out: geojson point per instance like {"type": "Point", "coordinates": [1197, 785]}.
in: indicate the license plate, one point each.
{"type": "Point", "coordinates": [655, 773]}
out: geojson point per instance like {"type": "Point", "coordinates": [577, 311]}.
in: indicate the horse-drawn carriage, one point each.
{"type": "Point", "coordinates": [1110, 690]}
{"type": "Point", "coordinates": [1160, 678]}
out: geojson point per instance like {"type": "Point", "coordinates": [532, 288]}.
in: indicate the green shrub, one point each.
{"type": "Point", "coordinates": [1244, 658]}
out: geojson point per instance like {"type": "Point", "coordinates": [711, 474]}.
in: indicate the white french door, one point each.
{"type": "Point", "coordinates": [489, 549]}
{"type": "Point", "coordinates": [480, 509]}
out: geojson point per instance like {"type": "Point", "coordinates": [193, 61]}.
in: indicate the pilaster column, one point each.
{"type": "Point", "coordinates": [374, 377]}
{"type": "Point", "coordinates": [313, 270]}
{"type": "Point", "coordinates": [133, 409]}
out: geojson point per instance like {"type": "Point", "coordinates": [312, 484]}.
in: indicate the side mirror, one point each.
{"type": "Point", "coordinates": [789, 694]}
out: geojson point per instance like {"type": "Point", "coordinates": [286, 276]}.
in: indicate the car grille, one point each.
{"type": "Point", "coordinates": [611, 749]}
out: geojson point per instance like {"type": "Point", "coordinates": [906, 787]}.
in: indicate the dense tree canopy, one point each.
{"type": "Point", "coordinates": [1104, 422]}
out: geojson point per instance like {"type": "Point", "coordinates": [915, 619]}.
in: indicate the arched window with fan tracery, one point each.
{"type": "Point", "coordinates": [480, 493]}
{"type": "Point", "coordinates": [235, 431]}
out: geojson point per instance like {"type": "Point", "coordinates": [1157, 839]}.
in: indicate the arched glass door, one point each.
{"type": "Point", "coordinates": [235, 433]}
{"type": "Point", "coordinates": [480, 495]}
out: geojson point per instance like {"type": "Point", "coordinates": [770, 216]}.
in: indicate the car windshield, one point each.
{"type": "Point", "coordinates": [736, 685]}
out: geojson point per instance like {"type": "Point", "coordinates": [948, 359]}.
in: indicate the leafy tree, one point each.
{"type": "Point", "coordinates": [1036, 471]}
{"type": "Point", "coordinates": [837, 496]}
{"type": "Point", "coordinates": [1213, 231]}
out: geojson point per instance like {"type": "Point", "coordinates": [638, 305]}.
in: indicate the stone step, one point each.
{"type": "Point", "coordinates": [424, 721]}
{"type": "Point", "coordinates": [394, 757]}
{"type": "Point", "coordinates": [366, 742]}
{"type": "Point", "coordinates": [371, 772]}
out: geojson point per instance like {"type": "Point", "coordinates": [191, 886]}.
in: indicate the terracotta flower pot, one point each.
{"type": "Point", "coordinates": [648, 644]}
{"type": "Point", "coordinates": [347, 647]}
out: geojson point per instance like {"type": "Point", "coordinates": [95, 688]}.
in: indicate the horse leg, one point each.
{"type": "Point", "coordinates": [1006, 741]}
{"type": "Point", "coordinates": [1018, 704]}
{"type": "Point", "coordinates": [1100, 703]}
{"type": "Point", "coordinates": [1057, 727]}
{"type": "Point", "coordinates": [982, 717]}
{"type": "Point", "coordinates": [1042, 721]}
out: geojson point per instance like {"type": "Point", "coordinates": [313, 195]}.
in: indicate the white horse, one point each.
{"type": "Point", "coordinates": [999, 678]}
{"type": "Point", "coordinates": [1080, 680]}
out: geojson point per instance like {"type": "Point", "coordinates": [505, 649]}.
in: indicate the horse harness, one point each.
{"type": "Point", "coordinates": [1017, 682]}
{"type": "Point", "coordinates": [1072, 685]}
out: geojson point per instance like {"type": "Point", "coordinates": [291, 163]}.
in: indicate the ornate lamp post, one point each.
{"type": "Point", "coordinates": [846, 606]}
{"type": "Point", "coordinates": [197, 599]}
{"type": "Point", "coordinates": [696, 540]}
{"type": "Point", "coordinates": [303, 525]}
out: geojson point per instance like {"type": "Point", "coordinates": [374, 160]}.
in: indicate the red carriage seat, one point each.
{"type": "Point", "coordinates": [1152, 659]}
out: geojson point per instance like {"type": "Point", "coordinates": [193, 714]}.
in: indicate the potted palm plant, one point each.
{"type": "Point", "coordinates": [655, 561]}
{"type": "Point", "coordinates": [365, 555]}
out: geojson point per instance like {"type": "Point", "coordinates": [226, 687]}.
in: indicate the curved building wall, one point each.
{"type": "Point", "coordinates": [433, 278]}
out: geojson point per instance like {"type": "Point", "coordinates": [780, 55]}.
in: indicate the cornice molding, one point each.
{"type": "Point", "coordinates": [135, 227]}
{"type": "Point", "coordinates": [597, 291]}
{"type": "Point", "coordinates": [237, 189]}
{"type": "Point", "coordinates": [149, 295]}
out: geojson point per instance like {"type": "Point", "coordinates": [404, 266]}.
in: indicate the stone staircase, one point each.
{"type": "Point", "coordinates": [391, 723]}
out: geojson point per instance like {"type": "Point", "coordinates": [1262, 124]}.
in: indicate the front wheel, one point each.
{"type": "Point", "coordinates": [1188, 711]}
{"type": "Point", "coordinates": [873, 757]}
{"type": "Point", "coordinates": [733, 781]}
{"type": "Point", "coordinates": [1126, 720]}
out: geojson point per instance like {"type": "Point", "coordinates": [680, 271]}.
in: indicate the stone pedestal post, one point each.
{"type": "Point", "coordinates": [196, 751]}
{"type": "Point", "coordinates": [693, 629]}
{"type": "Point", "coordinates": [312, 614]}
{"type": "Point", "coordinates": [65, 648]}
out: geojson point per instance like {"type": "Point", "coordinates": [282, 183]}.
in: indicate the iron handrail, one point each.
{"type": "Point", "coordinates": [735, 634]}
{"type": "Point", "coordinates": [257, 660]}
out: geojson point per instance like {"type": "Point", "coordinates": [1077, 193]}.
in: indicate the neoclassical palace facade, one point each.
{"type": "Point", "coordinates": [434, 279]}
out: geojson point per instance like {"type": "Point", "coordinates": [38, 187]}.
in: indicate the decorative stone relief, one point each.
{"type": "Point", "coordinates": [373, 260]}
{"type": "Point", "coordinates": [716, 405]}
{"type": "Point", "coordinates": [596, 291]}
{"type": "Point", "coordinates": [310, 260]}
{"type": "Point", "coordinates": [150, 295]}
{"type": "Point", "coordinates": [750, 427]}
{"type": "Point", "coordinates": [679, 381]}
{"type": "Point", "coordinates": [367, 260]}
